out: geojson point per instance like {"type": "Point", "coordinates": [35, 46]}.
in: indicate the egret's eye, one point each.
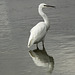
{"type": "Point", "coordinates": [44, 5]}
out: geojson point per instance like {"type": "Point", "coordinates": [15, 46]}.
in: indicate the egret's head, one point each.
{"type": "Point", "coordinates": [43, 5]}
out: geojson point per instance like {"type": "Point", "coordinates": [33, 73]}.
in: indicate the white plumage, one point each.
{"type": "Point", "coordinates": [38, 32]}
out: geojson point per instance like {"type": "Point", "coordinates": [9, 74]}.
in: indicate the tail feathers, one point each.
{"type": "Point", "coordinates": [30, 42]}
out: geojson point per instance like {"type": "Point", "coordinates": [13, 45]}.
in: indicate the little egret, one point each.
{"type": "Point", "coordinates": [39, 31]}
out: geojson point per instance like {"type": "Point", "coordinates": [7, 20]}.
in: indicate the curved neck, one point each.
{"type": "Point", "coordinates": [43, 15]}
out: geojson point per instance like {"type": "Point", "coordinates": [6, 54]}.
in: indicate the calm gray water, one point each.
{"type": "Point", "coordinates": [17, 17]}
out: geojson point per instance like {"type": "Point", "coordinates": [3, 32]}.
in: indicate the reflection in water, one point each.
{"type": "Point", "coordinates": [41, 58]}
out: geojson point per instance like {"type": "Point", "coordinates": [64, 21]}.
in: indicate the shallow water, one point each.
{"type": "Point", "coordinates": [17, 17]}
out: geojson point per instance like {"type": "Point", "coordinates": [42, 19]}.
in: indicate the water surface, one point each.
{"type": "Point", "coordinates": [17, 17]}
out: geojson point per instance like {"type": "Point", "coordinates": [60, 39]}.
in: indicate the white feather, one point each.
{"type": "Point", "coordinates": [37, 33]}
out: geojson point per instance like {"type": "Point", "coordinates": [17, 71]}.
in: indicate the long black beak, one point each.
{"type": "Point", "coordinates": [50, 6]}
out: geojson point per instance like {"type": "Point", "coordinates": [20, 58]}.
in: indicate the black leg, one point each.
{"type": "Point", "coordinates": [43, 45]}
{"type": "Point", "coordinates": [37, 46]}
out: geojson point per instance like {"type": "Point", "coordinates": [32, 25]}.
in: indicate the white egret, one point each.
{"type": "Point", "coordinates": [39, 31]}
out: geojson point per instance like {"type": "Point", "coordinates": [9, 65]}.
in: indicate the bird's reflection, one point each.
{"type": "Point", "coordinates": [41, 58]}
